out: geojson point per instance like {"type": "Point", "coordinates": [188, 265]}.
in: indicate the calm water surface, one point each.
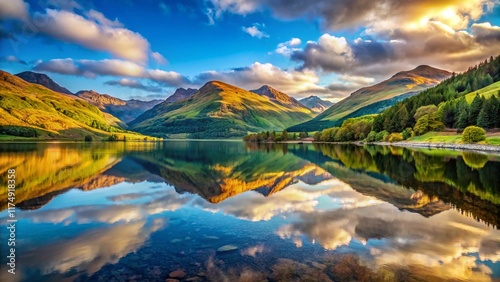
{"type": "Point", "coordinates": [230, 211]}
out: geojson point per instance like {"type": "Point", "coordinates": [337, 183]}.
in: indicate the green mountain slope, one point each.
{"type": "Point", "coordinates": [217, 110]}
{"type": "Point", "coordinates": [451, 97]}
{"type": "Point", "coordinates": [31, 110]}
{"type": "Point", "coordinates": [281, 98]}
{"type": "Point", "coordinates": [367, 100]}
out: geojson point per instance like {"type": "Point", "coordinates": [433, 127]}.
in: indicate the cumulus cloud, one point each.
{"type": "Point", "coordinates": [289, 81]}
{"type": "Point", "coordinates": [396, 35]}
{"type": "Point", "coordinates": [486, 33]}
{"type": "Point", "coordinates": [134, 84]}
{"type": "Point", "coordinates": [120, 68]}
{"type": "Point", "coordinates": [255, 32]}
{"type": "Point", "coordinates": [340, 14]}
{"type": "Point", "coordinates": [288, 47]}
{"type": "Point", "coordinates": [95, 32]}
{"type": "Point", "coordinates": [330, 53]}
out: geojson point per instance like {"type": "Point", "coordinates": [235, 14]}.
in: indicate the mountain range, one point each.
{"type": "Point", "coordinates": [376, 98]}
{"type": "Point", "coordinates": [217, 110]}
{"type": "Point", "coordinates": [221, 110]}
{"type": "Point", "coordinates": [125, 110]}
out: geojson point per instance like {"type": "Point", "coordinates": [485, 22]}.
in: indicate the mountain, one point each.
{"type": "Point", "coordinates": [181, 94]}
{"type": "Point", "coordinates": [32, 110]}
{"type": "Point", "coordinates": [125, 110]}
{"type": "Point", "coordinates": [280, 98]}
{"type": "Point", "coordinates": [374, 99]}
{"type": "Point", "coordinates": [44, 80]}
{"type": "Point", "coordinates": [316, 104]}
{"type": "Point", "coordinates": [218, 110]}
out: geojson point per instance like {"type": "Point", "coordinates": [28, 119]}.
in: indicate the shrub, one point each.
{"type": "Point", "coordinates": [88, 138]}
{"type": "Point", "coordinates": [395, 137]}
{"type": "Point", "coordinates": [381, 136]}
{"type": "Point", "coordinates": [407, 133]}
{"type": "Point", "coordinates": [317, 136]}
{"type": "Point", "coordinates": [473, 134]}
{"type": "Point", "coordinates": [372, 136]}
{"type": "Point", "coordinates": [428, 123]}
{"type": "Point", "coordinates": [113, 137]}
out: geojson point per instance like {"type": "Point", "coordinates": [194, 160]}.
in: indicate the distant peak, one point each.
{"type": "Point", "coordinates": [425, 71]}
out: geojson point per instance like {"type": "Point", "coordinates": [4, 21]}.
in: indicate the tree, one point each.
{"type": "Point", "coordinates": [473, 134]}
{"type": "Point", "coordinates": [428, 123]}
{"type": "Point", "coordinates": [475, 108]}
{"type": "Point", "coordinates": [303, 135]}
{"type": "Point", "coordinates": [88, 138]}
{"type": "Point", "coordinates": [378, 123]}
{"type": "Point", "coordinates": [463, 114]}
{"type": "Point", "coordinates": [372, 136]}
{"type": "Point", "coordinates": [317, 136]}
{"type": "Point", "coordinates": [425, 110]}
{"type": "Point", "coordinates": [284, 135]}
{"type": "Point", "coordinates": [487, 117]}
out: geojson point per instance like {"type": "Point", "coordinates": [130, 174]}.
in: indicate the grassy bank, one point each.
{"type": "Point", "coordinates": [453, 138]}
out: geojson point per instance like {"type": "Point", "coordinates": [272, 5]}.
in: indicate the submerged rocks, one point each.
{"type": "Point", "coordinates": [177, 274]}
{"type": "Point", "coordinates": [227, 248]}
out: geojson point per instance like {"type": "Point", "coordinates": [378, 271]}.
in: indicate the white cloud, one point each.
{"type": "Point", "coordinates": [288, 47]}
{"type": "Point", "coordinates": [99, 18]}
{"type": "Point", "coordinates": [16, 9]}
{"type": "Point", "coordinates": [158, 58]}
{"type": "Point", "coordinates": [119, 68]}
{"type": "Point", "coordinates": [294, 82]}
{"type": "Point", "coordinates": [254, 31]}
{"type": "Point", "coordinates": [95, 33]}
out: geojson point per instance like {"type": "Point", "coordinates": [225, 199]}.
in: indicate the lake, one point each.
{"type": "Point", "coordinates": [231, 211]}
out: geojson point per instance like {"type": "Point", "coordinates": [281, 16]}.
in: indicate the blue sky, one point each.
{"type": "Point", "coordinates": [146, 49]}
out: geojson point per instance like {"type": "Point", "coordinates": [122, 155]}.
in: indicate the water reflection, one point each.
{"type": "Point", "coordinates": [138, 211]}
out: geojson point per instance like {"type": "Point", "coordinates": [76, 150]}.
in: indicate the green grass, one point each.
{"type": "Point", "coordinates": [486, 92]}
{"type": "Point", "coordinates": [452, 138]}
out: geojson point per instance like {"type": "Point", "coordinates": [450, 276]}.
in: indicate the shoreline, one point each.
{"type": "Point", "coordinates": [469, 147]}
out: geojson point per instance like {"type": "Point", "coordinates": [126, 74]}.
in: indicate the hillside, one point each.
{"type": "Point", "coordinates": [32, 110]}
{"type": "Point", "coordinates": [125, 110]}
{"type": "Point", "coordinates": [454, 98]}
{"type": "Point", "coordinates": [367, 100]}
{"type": "Point", "coordinates": [181, 94]}
{"type": "Point", "coordinates": [281, 98]}
{"type": "Point", "coordinates": [44, 80]}
{"type": "Point", "coordinates": [316, 104]}
{"type": "Point", "coordinates": [217, 110]}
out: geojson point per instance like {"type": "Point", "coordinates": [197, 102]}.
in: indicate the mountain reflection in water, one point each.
{"type": "Point", "coordinates": [138, 211]}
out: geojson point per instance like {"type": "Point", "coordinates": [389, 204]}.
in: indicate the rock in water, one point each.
{"type": "Point", "coordinates": [179, 274]}
{"type": "Point", "coordinates": [227, 248]}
